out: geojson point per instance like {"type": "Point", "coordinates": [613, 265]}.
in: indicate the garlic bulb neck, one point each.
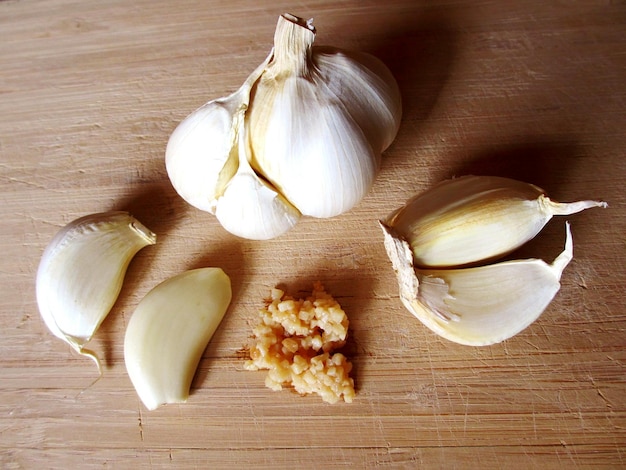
{"type": "Point", "coordinates": [293, 40]}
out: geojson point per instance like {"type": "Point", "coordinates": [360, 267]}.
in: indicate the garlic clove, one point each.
{"type": "Point", "coordinates": [319, 120]}
{"type": "Point", "coordinates": [81, 272]}
{"type": "Point", "coordinates": [170, 329]}
{"type": "Point", "coordinates": [250, 208]}
{"type": "Point", "coordinates": [475, 218]}
{"type": "Point", "coordinates": [198, 158]}
{"type": "Point", "coordinates": [201, 156]}
{"type": "Point", "coordinates": [481, 305]}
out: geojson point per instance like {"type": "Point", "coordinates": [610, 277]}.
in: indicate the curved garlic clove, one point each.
{"type": "Point", "coordinates": [81, 273]}
{"type": "Point", "coordinates": [319, 120]}
{"type": "Point", "coordinates": [475, 218]}
{"type": "Point", "coordinates": [170, 329]}
{"type": "Point", "coordinates": [250, 208]}
{"type": "Point", "coordinates": [200, 157]}
{"type": "Point", "coordinates": [482, 305]}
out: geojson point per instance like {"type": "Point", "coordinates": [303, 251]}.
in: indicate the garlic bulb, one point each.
{"type": "Point", "coordinates": [170, 329]}
{"type": "Point", "coordinates": [475, 218]}
{"type": "Point", "coordinates": [81, 273]}
{"type": "Point", "coordinates": [481, 305]}
{"type": "Point", "coordinates": [303, 135]}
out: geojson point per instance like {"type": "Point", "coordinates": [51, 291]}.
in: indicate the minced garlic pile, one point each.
{"type": "Point", "coordinates": [295, 340]}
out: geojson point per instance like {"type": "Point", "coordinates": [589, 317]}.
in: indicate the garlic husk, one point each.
{"type": "Point", "coordinates": [319, 119]}
{"type": "Point", "coordinates": [81, 272]}
{"type": "Point", "coordinates": [473, 219]}
{"type": "Point", "coordinates": [250, 207]}
{"type": "Point", "coordinates": [170, 329]}
{"type": "Point", "coordinates": [201, 155]}
{"type": "Point", "coordinates": [477, 306]}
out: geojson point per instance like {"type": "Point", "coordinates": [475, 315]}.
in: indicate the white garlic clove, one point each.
{"type": "Point", "coordinates": [169, 331]}
{"type": "Point", "coordinates": [201, 156]}
{"type": "Point", "coordinates": [481, 305]}
{"type": "Point", "coordinates": [198, 157]}
{"type": "Point", "coordinates": [81, 272]}
{"type": "Point", "coordinates": [319, 120]}
{"type": "Point", "coordinates": [250, 208]}
{"type": "Point", "coordinates": [475, 218]}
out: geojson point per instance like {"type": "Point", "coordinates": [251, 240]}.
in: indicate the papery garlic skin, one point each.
{"type": "Point", "coordinates": [473, 219]}
{"type": "Point", "coordinates": [477, 306]}
{"type": "Point", "coordinates": [319, 119]}
{"type": "Point", "coordinates": [169, 331]}
{"type": "Point", "coordinates": [81, 272]}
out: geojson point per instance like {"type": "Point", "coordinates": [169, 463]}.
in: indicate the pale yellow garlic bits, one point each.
{"type": "Point", "coordinates": [296, 342]}
{"type": "Point", "coordinates": [170, 329]}
{"type": "Point", "coordinates": [81, 272]}
{"type": "Point", "coordinates": [302, 136]}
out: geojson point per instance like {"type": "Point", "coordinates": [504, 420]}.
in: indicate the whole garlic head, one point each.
{"type": "Point", "coordinates": [303, 135]}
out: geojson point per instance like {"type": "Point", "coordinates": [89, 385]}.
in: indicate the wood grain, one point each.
{"type": "Point", "coordinates": [89, 93]}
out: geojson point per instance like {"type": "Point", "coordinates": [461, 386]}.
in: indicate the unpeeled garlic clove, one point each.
{"type": "Point", "coordinates": [202, 153]}
{"type": "Point", "coordinates": [477, 306]}
{"type": "Point", "coordinates": [81, 272]}
{"type": "Point", "coordinates": [170, 329]}
{"type": "Point", "coordinates": [475, 218]}
{"type": "Point", "coordinates": [250, 207]}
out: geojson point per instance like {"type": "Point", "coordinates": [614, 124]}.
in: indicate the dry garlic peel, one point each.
{"type": "Point", "coordinates": [475, 218]}
{"type": "Point", "coordinates": [81, 273]}
{"type": "Point", "coordinates": [170, 329]}
{"type": "Point", "coordinates": [315, 122]}
{"type": "Point", "coordinates": [480, 305]}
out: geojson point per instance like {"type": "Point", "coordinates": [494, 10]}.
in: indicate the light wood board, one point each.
{"type": "Point", "coordinates": [89, 94]}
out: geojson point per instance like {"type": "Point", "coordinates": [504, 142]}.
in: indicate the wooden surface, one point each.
{"type": "Point", "coordinates": [89, 93]}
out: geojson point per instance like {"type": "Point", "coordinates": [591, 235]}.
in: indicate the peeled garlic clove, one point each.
{"type": "Point", "coordinates": [170, 329]}
{"type": "Point", "coordinates": [319, 119]}
{"type": "Point", "coordinates": [475, 218]}
{"type": "Point", "coordinates": [81, 273]}
{"type": "Point", "coordinates": [482, 305]}
{"type": "Point", "coordinates": [201, 155]}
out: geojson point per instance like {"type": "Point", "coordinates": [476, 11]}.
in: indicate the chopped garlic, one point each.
{"type": "Point", "coordinates": [295, 342]}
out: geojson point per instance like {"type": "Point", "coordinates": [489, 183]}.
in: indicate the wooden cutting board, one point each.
{"type": "Point", "coordinates": [89, 94]}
